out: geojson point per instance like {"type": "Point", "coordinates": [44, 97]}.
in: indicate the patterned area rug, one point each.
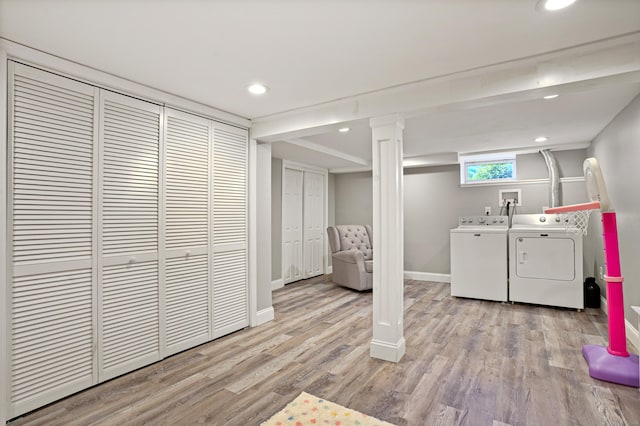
{"type": "Point", "coordinates": [307, 410]}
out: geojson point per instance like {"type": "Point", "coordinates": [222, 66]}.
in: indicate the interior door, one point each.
{"type": "Point", "coordinates": [313, 224]}
{"type": "Point", "coordinates": [292, 225]}
{"type": "Point", "coordinates": [51, 326]}
{"type": "Point", "coordinates": [128, 329]}
{"type": "Point", "coordinates": [230, 242]}
{"type": "Point", "coordinates": [187, 224]}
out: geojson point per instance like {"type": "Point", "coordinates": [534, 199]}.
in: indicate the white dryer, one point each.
{"type": "Point", "coordinates": [479, 258]}
{"type": "Point", "coordinates": [545, 262]}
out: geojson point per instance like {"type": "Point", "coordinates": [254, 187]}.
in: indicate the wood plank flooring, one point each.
{"type": "Point", "coordinates": [467, 362]}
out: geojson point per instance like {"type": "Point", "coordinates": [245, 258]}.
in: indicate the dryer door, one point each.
{"type": "Point", "coordinates": [545, 257]}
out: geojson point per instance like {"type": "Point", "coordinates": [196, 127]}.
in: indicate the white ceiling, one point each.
{"type": "Point", "coordinates": [316, 54]}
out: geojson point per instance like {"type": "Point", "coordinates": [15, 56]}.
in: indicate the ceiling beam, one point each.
{"type": "Point", "coordinates": [585, 63]}
{"type": "Point", "coordinates": [329, 151]}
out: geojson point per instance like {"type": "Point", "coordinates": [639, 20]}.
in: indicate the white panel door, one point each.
{"type": "Point", "coordinates": [51, 301]}
{"type": "Point", "coordinates": [128, 329]}
{"type": "Point", "coordinates": [230, 262]}
{"type": "Point", "coordinates": [293, 266]}
{"type": "Point", "coordinates": [187, 220]}
{"type": "Point", "coordinates": [313, 220]}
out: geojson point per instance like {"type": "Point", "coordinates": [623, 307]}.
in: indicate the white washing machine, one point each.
{"type": "Point", "coordinates": [479, 258]}
{"type": "Point", "coordinates": [545, 262]}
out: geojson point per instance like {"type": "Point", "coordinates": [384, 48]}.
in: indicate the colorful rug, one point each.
{"type": "Point", "coordinates": [307, 410]}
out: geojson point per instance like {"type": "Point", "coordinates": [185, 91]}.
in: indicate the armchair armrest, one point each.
{"type": "Point", "coordinates": [349, 256]}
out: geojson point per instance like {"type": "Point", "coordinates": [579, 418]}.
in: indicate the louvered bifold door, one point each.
{"type": "Point", "coordinates": [129, 332]}
{"type": "Point", "coordinates": [187, 221]}
{"type": "Point", "coordinates": [230, 283]}
{"type": "Point", "coordinates": [52, 291]}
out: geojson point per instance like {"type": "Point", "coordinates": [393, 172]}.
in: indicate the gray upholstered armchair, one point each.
{"type": "Point", "coordinates": [352, 255]}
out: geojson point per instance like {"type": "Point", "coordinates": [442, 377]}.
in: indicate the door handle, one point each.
{"type": "Point", "coordinates": [522, 257]}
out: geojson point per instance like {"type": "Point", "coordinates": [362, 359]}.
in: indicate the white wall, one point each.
{"type": "Point", "coordinates": [617, 149]}
{"type": "Point", "coordinates": [263, 228]}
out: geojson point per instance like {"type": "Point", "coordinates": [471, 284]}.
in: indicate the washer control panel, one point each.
{"type": "Point", "coordinates": [542, 220]}
{"type": "Point", "coordinates": [483, 221]}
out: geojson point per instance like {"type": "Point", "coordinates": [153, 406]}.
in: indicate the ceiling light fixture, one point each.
{"type": "Point", "coordinates": [555, 95]}
{"type": "Point", "coordinates": [541, 139]}
{"type": "Point", "coordinates": [258, 89]}
{"type": "Point", "coordinates": [552, 5]}
{"type": "Point", "coordinates": [344, 129]}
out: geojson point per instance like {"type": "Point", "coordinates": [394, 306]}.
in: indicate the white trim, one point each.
{"type": "Point", "coordinates": [5, 288]}
{"type": "Point", "coordinates": [350, 169]}
{"type": "Point", "coordinates": [265, 315]}
{"type": "Point", "coordinates": [253, 234]}
{"type": "Point", "coordinates": [55, 64]}
{"type": "Point", "coordinates": [633, 335]}
{"type": "Point", "coordinates": [325, 245]}
{"type": "Point", "coordinates": [329, 270]}
{"type": "Point", "coordinates": [523, 182]}
{"type": "Point", "coordinates": [276, 284]}
{"type": "Point", "coordinates": [303, 167]}
{"type": "Point", "coordinates": [427, 276]}
{"type": "Point", "coordinates": [387, 351]}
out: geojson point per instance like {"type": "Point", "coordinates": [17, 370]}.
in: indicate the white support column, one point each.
{"type": "Point", "coordinates": [388, 245]}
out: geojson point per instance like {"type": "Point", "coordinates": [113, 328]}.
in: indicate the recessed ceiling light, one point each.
{"type": "Point", "coordinates": [555, 95]}
{"type": "Point", "coordinates": [258, 89]}
{"type": "Point", "coordinates": [344, 129]}
{"type": "Point", "coordinates": [557, 4]}
{"type": "Point", "coordinates": [541, 139]}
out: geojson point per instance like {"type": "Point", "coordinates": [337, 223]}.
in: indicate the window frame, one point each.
{"type": "Point", "coordinates": [487, 159]}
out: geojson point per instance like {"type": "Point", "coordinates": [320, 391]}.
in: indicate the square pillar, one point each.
{"type": "Point", "coordinates": [388, 239]}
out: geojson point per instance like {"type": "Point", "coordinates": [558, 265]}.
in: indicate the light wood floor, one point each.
{"type": "Point", "coordinates": [467, 362]}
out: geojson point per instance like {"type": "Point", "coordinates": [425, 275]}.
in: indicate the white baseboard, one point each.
{"type": "Point", "coordinates": [632, 334]}
{"type": "Point", "coordinates": [329, 270]}
{"type": "Point", "coordinates": [386, 351]}
{"type": "Point", "coordinates": [265, 315]}
{"type": "Point", "coordinates": [427, 276]}
{"type": "Point", "coordinates": [276, 284]}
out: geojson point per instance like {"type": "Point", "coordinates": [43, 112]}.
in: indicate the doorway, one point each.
{"type": "Point", "coordinates": [304, 220]}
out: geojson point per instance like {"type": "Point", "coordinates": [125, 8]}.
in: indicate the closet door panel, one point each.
{"type": "Point", "coordinates": [187, 207]}
{"type": "Point", "coordinates": [187, 298]}
{"type": "Point", "coordinates": [129, 327]}
{"type": "Point", "coordinates": [293, 264]}
{"type": "Point", "coordinates": [52, 291]}
{"type": "Point", "coordinates": [130, 317]}
{"type": "Point", "coordinates": [313, 222]}
{"type": "Point", "coordinates": [230, 283]}
{"type": "Point", "coordinates": [130, 136]}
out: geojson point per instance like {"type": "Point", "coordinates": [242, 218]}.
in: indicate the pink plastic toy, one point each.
{"type": "Point", "coordinates": [613, 363]}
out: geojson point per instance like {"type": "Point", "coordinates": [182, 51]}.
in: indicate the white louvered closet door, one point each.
{"type": "Point", "coordinates": [129, 324]}
{"type": "Point", "coordinates": [51, 163]}
{"type": "Point", "coordinates": [187, 194]}
{"type": "Point", "coordinates": [230, 283]}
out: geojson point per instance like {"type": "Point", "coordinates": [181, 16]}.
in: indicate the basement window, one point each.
{"type": "Point", "coordinates": [486, 168]}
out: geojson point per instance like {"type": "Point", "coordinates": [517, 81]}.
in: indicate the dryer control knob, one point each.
{"type": "Point", "coordinates": [501, 220]}
{"type": "Point", "coordinates": [557, 218]}
{"type": "Point", "coordinates": [543, 219]}
{"type": "Point", "coordinates": [495, 220]}
{"type": "Point", "coordinates": [481, 220]}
